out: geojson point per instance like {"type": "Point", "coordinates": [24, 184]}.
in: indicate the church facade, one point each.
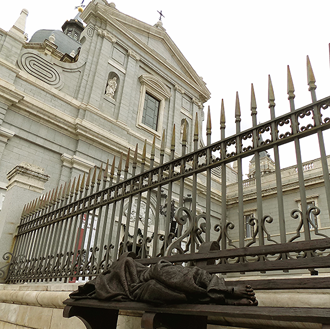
{"type": "Point", "coordinates": [72, 99]}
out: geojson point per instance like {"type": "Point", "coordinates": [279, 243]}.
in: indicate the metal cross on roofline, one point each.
{"type": "Point", "coordinates": [81, 5]}
{"type": "Point", "coordinates": [161, 14]}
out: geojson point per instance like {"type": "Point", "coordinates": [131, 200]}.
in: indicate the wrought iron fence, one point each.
{"type": "Point", "coordinates": [78, 229]}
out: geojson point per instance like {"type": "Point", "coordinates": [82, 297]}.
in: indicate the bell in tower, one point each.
{"type": "Point", "coordinates": [74, 27]}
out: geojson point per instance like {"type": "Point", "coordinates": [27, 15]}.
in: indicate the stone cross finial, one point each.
{"type": "Point", "coordinates": [161, 14]}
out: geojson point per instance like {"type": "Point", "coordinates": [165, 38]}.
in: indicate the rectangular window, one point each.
{"type": "Point", "coordinates": [249, 230]}
{"type": "Point", "coordinates": [150, 111]}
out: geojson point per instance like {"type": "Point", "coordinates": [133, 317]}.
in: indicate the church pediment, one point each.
{"type": "Point", "coordinates": [153, 40]}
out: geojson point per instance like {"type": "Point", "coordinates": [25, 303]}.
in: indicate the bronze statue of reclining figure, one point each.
{"type": "Point", "coordinates": [163, 283]}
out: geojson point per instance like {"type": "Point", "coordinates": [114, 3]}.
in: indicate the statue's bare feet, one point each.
{"type": "Point", "coordinates": [241, 295]}
{"type": "Point", "coordinates": [241, 292]}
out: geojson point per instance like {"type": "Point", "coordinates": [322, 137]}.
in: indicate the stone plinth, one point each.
{"type": "Point", "coordinates": [26, 182]}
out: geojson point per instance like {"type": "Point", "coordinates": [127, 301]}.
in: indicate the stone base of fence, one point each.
{"type": "Point", "coordinates": [40, 306]}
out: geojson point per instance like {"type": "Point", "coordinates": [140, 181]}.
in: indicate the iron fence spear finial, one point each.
{"type": "Point", "coordinates": [237, 109]}
{"type": "Point", "coordinates": [153, 148]}
{"type": "Point", "coordinates": [23, 211]}
{"type": "Point", "coordinates": [127, 160]}
{"type": "Point", "coordinates": [311, 79]}
{"type": "Point", "coordinates": [72, 189]}
{"type": "Point", "coordinates": [144, 152]}
{"type": "Point", "coordinates": [35, 205]}
{"type": "Point", "coordinates": [64, 191]}
{"type": "Point", "coordinates": [59, 195]}
{"type": "Point", "coordinates": [162, 147]}
{"type": "Point", "coordinates": [77, 186]}
{"type": "Point", "coordinates": [290, 86]}
{"type": "Point", "coordinates": [99, 177]}
{"type": "Point", "coordinates": [196, 128]}
{"type": "Point", "coordinates": [184, 134]}
{"type": "Point", "coordinates": [94, 177]}
{"type": "Point", "coordinates": [173, 139]}
{"type": "Point", "coordinates": [88, 178]}
{"type": "Point", "coordinates": [55, 196]}
{"type": "Point", "coordinates": [209, 123]}
{"type": "Point", "coordinates": [120, 164]}
{"type": "Point", "coordinates": [222, 116]}
{"type": "Point", "coordinates": [105, 174]}
{"type": "Point", "coordinates": [253, 101]}
{"type": "Point", "coordinates": [112, 172]}
{"type": "Point", "coordinates": [271, 96]}
{"type": "Point", "coordinates": [135, 155]}
{"type": "Point", "coordinates": [83, 182]}
{"type": "Point", "coordinates": [67, 194]}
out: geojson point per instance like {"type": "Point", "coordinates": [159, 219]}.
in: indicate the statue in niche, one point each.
{"type": "Point", "coordinates": [111, 87]}
{"type": "Point", "coordinates": [181, 130]}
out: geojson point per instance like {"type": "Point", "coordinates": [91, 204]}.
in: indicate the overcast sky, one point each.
{"type": "Point", "coordinates": [231, 44]}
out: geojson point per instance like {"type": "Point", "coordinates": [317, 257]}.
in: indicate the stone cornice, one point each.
{"type": "Point", "coordinates": [76, 162]}
{"type": "Point", "coordinates": [317, 179]}
{"type": "Point", "coordinates": [8, 94]}
{"type": "Point", "coordinates": [5, 134]}
{"type": "Point", "coordinates": [27, 176]}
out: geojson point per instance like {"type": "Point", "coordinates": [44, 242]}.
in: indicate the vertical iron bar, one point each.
{"type": "Point", "coordinates": [169, 193]}
{"type": "Point", "coordinates": [295, 131]}
{"type": "Point", "coordinates": [239, 173]}
{"type": "Point", "coordinates": [130, 200]}
{"type": "Point", "coordinates": [159, 191]}
{"type": "Point", "coordinates": [280, 204]}
{"type": "Point", "coordinates": [138, 204]}
{"type": "Point", "coordinates": [146, 217]}
{"type": "Point", "coordinates": [114, 206]}
{"type": "Point", "coordinates": [106, 213]}
{"type": "Point", "coordinates": [194, 188]}
{"type": "Point", "coordinates": [318, 122]}
{"type": "Point", "coordinates": [223, 178]}
{"type": "Point", "coordinates": [121, 207]}
{"type": "Point", "coordinates": [208, 176]}
{"type": "Point", "coordinates": [258, 179]}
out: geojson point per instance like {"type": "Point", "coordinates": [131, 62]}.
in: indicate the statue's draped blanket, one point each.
{"type": "Point", "coordinates": [163, 282]}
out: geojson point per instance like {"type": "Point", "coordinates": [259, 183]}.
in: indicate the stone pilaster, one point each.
{"type": "Point", "coordinates": [125, 114]}
{"type": "Point", "coordinates": [5, 135]}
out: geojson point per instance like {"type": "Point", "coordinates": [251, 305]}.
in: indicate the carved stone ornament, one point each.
{"type": "Point", "coordinates": [105, 34]}
{"type": "Point", "coordinates": [134, 55]}
{"type": "Point", "coordinates": [179, 89]}
{"type": "Point", "coordinates": [90, 31]}
{"type": "Point", "coordinates": [41, 69]}
{"type": "Point", "coordinates": [198, 103]}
